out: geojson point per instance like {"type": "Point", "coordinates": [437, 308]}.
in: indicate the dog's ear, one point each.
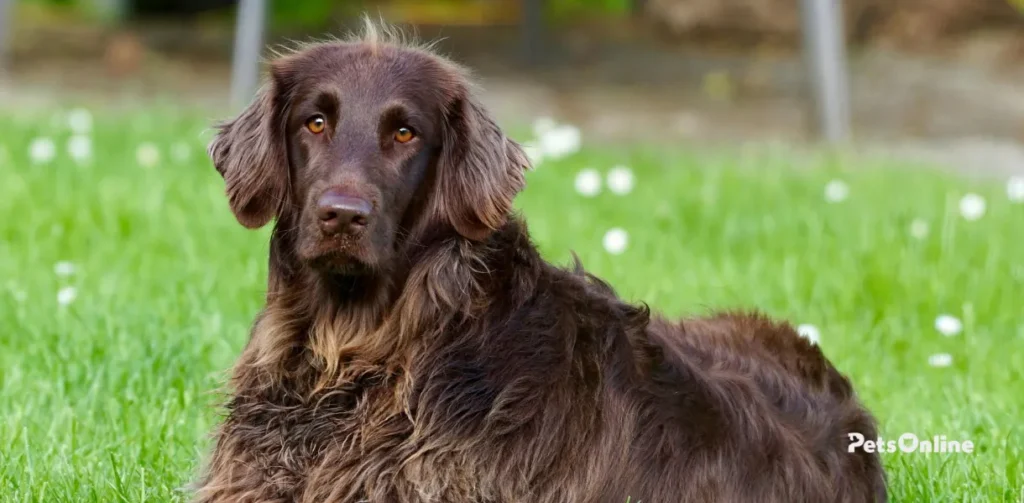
{"type": "Point", "coordinates": [249, 152]}
{"type": "Point", "coordinates": [480, 170]}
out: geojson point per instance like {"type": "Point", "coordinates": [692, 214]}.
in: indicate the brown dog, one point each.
{"type": "Point", "coordinates": [416, 348]}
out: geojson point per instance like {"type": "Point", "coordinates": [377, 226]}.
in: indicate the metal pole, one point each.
{"type": "Point", "coordinates": [111, 11]}
{"type": "Point", "coordinates": [824, 50]}
{"type": "Point", "coordinates": [532, 30]}
{"type": "Point", "coordinates": [245, 63]}
{"type": "Point", "coordinates": [6, 34]}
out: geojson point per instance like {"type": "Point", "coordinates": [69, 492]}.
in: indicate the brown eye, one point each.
{"type": "Point", "coordinates": [404, 135]}
{"type": "Point", "coordinates": [316, 124]}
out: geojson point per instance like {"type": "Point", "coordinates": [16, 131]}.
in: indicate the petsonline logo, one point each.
{"type": "Point", "coordinates": [910, 443]}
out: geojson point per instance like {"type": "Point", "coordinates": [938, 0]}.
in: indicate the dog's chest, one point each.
{"type": "Point", "coordinates": [348, 445]}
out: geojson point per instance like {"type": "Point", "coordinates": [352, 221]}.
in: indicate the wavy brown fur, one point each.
{"type": "Point", "coordinates": [464, 368]}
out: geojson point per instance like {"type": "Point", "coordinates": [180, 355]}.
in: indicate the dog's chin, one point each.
{"type": "Point", "coordinates": [337, 260]}
{"type": "Point", "coordinates": [350, 269]}
{"type": "Point", "coordinates": [339, 265]}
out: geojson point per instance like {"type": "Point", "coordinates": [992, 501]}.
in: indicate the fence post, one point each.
{"type": "Point", "coordinates": [245, 62]}
{"type": "Point", "coordinates": [825, 57]}
{"type": "Point", "coordinates": [6, 35]}
{"type": "Point", "coordinates": [532, 30]}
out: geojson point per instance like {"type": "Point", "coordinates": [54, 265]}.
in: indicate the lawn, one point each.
{"type": "Point", "coordinates": [127, 289]}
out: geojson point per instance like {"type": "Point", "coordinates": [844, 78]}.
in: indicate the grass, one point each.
{"type": "Point", "coordinates": [109, 398]}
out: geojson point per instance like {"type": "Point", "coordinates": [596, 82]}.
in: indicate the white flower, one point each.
{"type": "Point", "coordinates": [620, 180]}
{"type": "Point", "coordinates": [533, 153]}
{"type": "Point", "coordinates": [809, 332]}
{"type": "Point", "coordinates": [836, 191]}
{"type": "Point", "coordinates": [80, 121]}
{"type": "Point", "coordinates": [972, 207]}
{"type": "Point", "coordinates": [80, 148]}
{"type": "Point", "coordinates": [63, 268]}
{"type": "Point", "coordinates": [940, 360]}
{"type": "Point", "coordinates": [1015, 189]}
{"type": "Point", "coordinates": [919, 228]}
{"type": "Point", "coordinates": [42, 150]}
{"type": "Point", "coordinates": [615, 241]}
{"type": "Point", "coordinates": [560, 142]}
{"type": "Point", "coordinates": [542, 125]}
{"type": "Point", "coordinates": [588, 182]}
{"type": "Point", "coordinates": [948, 325]}
{"type": "Point", "coordinates": [66, 295]}
{"type": "Point", "coordinates": [181, 152]}
{"type": "Point", "coordinates": [147, 155]}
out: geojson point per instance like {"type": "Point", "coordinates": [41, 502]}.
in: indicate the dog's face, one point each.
{"type": "Point", "coordinates": [361, 133]}
{"type": "Point", "coordinates": [355, 147]}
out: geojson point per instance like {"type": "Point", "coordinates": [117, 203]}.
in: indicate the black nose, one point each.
{"type": "Point", "coordinates": [340, 214]}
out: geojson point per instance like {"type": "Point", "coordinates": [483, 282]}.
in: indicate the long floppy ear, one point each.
{"type": "Point", "coordinates": [480, 171]}
{"type": "Point", "coordinates": [249, 152]}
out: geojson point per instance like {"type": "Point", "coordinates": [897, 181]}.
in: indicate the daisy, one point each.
{"type": "Point", "coordinates": [64, 268]}
{"type": "Point", "coordinates": [1015, 189]}
{"type": "Point", "coordinates": [836, 191]}
{"type": "Point", "coordinates": [809, 332]}
{"type": "Point", "coordinates": [948, 325]}
{"type": "Point", "coordinates": [620, 180]}
{"type": "Point", "coordinates": [615, 241]}
{"type": "Point", "coordinates": [588, 182]}
{"type": "Point", "coordinates": [80, 148]}
{"type": "Point", "coordinates": [940, 360]}
{"type": "Point", "coordinates": [919, 228]}
{"type": "Point", "coordinates": [147, 155]}
{"type": "Point", "coordinates": [541, 125]}
{"type": "Point", "coordinates": [42, 150]}
{"type": "Point", "coordinates": [533, 153]}
{"type": "Point", "coordinates": [561, 141]}
{"type": "Point", "coordinates": [972, 207]}
{"type": "Point", "coordinates": [66, 295]}
{"type": "Point", "coordinates": [80, 121]}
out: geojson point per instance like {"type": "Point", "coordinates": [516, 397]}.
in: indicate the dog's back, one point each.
{"type": "Point", "coordinates": [753, 412]}
{"type": "Point", "coordinates": [731, 407]}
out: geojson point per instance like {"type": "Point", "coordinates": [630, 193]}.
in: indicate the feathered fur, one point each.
{"type": "Point", "coordinates": [465, 368]}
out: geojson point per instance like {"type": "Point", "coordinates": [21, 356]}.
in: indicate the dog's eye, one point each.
{"type": "Point", "coordinates": [404, 135]}
{"type": "Point", "coordinates": [316, 124]}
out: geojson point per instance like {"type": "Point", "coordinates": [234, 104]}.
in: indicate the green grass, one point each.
{"type": "Point", "coordinates": [110, 398]}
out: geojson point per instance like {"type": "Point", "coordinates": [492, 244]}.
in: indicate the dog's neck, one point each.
{"type": "Point", "coordinates": [344, 325]}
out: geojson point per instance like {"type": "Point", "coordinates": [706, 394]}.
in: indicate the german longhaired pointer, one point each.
{"type": "Point", "coordinates": [415, 347]}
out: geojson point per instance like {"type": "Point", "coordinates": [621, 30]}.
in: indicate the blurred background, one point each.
{"type": "Point", "coordinates": [940, 78]}
{"type": "Point", "coordinates": [806, 158]}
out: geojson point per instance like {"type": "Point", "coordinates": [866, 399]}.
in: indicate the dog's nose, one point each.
{"type": "Point", "coordinates": [340, 214]}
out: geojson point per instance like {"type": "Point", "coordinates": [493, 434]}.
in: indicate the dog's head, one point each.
{"type": "Point", "coordinates": [355, 147]}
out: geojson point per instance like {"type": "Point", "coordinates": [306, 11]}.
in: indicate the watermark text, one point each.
{"type": "Point", "coordinates": [910, 443]}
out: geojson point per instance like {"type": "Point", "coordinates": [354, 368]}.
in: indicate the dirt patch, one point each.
{"type": "Point", "coordinates": [904, 24]}
{"type": "Point", "coordinates": [619, 84]}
